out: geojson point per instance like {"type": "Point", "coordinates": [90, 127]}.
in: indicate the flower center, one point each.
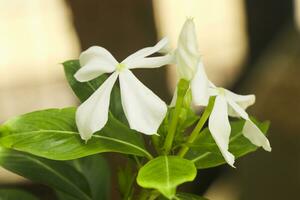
{"type": "Point", "coordinates": [221, 91]}
{"type": "Point", "coordinates": [120, 67]}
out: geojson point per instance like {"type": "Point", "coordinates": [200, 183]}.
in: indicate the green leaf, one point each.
{"type": "Point", "coordinates": [97, 172]}
{"type": "Point", "coordinates": [52, 134]}
{"type": "Point", "coordinates": [56, 174]}
{"type": "Point", "coordinates": [85, 89]}
{"type": "Point", "coordinates": [16, 194]}
{"type": "Point", "coordinates": [165, 173]}
{"type": "Point", "coordinates": [205, 153]}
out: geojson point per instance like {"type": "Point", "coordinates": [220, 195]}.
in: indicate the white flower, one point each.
{"type": "Point", "coordinates": [227, 104]}
{"type": "Point", "coordinates": [189, 64]}
{"type": "Point", "coordinates": [143, 109]}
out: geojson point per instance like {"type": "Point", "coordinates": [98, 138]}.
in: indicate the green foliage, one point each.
{"type": "Point", "coordinates": [165, 173]}
{"type": "Point", "coordinates": [52, 134]}
{"type": "Point", "coordinates": [205, 153]}
{"type": "Point", "coordinates": [56, 174]}
{"type": "Point", "coordinates": [16, 194]}
{"type": "Point", "coordinates": [76, 171]}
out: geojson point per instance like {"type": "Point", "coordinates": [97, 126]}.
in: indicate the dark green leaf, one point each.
{"type": "Point", "coordinates": [52, 134]}
{"type": "Point", "coordinates": [16, 194]}
{"type": "Point", "coordinates": [97, 172]}
{"type": "Point", "coordinates": [205, 153]}
{"type": "Point", "coordinates": [165, 173]}
{"type": "Point", "coordinates": [56, 174]}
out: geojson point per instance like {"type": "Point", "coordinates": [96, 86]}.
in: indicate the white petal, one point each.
{"type": "Point", "coordinates": [94, 62]}
{"type": "Point", "coordinates": [243, 100]}
{"type": "Point", "coordinates": [142, 53]}
{"type": "Point", "coordinates": [235, 110]}
{"type": "Point", "coordinates": [199, 87]}
{"type": "Point", "coordinates": [254, 134]}
{"type": "Point", "coordinates": [144, 110]}
{"type": "Point", "coordinates": [187, 54]}
{"type": "Point", "coordinates": [151, 62]}
{"type": "Point", "coordinates": [220, 128]}
{"type": "Point", "coordinates": [186, 63]}
{"type": "Point", "coordinates": [188, 38]}
{"type": "Point", "coordinates": [92, 114]}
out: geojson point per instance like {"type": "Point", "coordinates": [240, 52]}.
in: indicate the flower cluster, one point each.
{"type": "Point", "coordinates": [143, 109]}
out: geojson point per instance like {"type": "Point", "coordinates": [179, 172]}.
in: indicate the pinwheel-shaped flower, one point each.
{"type": "Point", "coordinates": [189, 64]}
{"type": "Point", "coordinates": [227, 104]}
{"type": "Point", "coordinates": [143, 109]}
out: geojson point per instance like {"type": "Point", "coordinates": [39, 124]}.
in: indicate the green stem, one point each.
{"type": "Point", "coordinates": [198, 127]}
{"type": "Point", "coordinates": [182, 88]}
{"type": "Point", "coordinates": [155, 141]}
{"type": "Point", "coordinates": [148, 194]}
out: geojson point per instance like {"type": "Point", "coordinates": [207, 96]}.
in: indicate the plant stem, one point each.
{"type": "Point", "coordinates": [148, 194]}
{"type": "Point", "coordinates": [198, 127]}
{"type": "Point", "coordinates": [182, 88]}
{"type": "Point", "coordinates": [155, 142]}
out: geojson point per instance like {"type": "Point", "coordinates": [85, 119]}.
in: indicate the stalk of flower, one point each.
{"type": "Point", "coordinates": [190, 69]}
{"type": "Point", "coordinates": [225, 103]}
{"type": "Point", "coordinates": [143, 109]}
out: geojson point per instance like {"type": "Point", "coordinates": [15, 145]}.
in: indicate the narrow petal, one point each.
{"type": "Point", "coordinates": [144, 110]}
{"type": "Point", "coordinates": [188, 38]}
{"type": "Point", "coordinates": [199, 87]}
{"type": "Point", "coordinates": [187, 54]}
{"type": "Point", "coordinates": [243, 100]}
{"type": "Point", "coordinates": [236, 110]}
{"type": "Point", "coordinates": [254, 134]}
{"type": "Point", "coordinates": [142, 53]}
{"type": "Point", "coordinates": [151, 62]}
{"type": "Point", "coordinates": [220, 128]}
{"type": "Point", "coordinates": [94, 62]}
{"type": "Point", "coordinates": [92, 114]}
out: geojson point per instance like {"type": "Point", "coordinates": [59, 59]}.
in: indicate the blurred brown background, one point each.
{"type": "Point", "coordinates": [249, 46]}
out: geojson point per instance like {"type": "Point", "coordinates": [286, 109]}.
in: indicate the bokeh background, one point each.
{"type": "Point", "coordinates": [249, 46]}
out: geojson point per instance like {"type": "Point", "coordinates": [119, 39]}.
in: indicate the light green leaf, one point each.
{"type": "Point", "coordinates": [56, 174]}
{"type": "Point", "coordinates": [97, 172]}
{"type": "Point", "coordinates": [52, 134]}
{"type": "Point", "coordinates": [16, 194]}
{"type": "Point", "coordinates": [205, 153]}
{"type": "Point", "coordinates": [85, 89]}
{"type": "Point", "coordinates": [165, 173]}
